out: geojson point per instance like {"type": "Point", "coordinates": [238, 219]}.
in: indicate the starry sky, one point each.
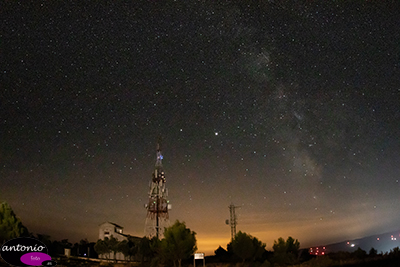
{"type": "Point", "coordinates": [288, 109]}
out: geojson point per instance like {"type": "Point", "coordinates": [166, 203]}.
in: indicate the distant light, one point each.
{"type": "Point", "coordinates": [377, 239]}
{"type": "Point", "coordinates": [352, 245]}
{"type": "Point", "coordinates": [216, 133]}
{"type": "Point", "coordinates": [323, 253]}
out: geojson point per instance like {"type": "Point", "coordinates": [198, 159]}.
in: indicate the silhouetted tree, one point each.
{"type": "Point", "coordinates": [220, 252]}
{"type": "Point", "coordinates": [113, 244]}
{"type": "Point", "coordinates": [83, 247]}
{"type": "Point", "coordinates": [340, 255]}
{"type": "Point", "coordinates": [222, 255]}
{"type": "Point", "coordinates": [128, 248]}
{"type": "Point", "coordinates": [74, 249]}
{"type": "Point", "coordinates": [247, 247]}
{"type": "Point", "coordinates": [66, 244]}
{"type": "Point", "coordinates": [157, 253]}
{"type": "Point", "coordinates": [45, 239]}
{"type": "Point", "coordinates": [360, 254]}
{"type": "Point", "coordinates": [304, 255]}
{"type": "Point", "coordinates": [10, 226]}
{"type": "Point", "coordinates": [292, 246]}
{"type": "Point", "coordinates": [102, 247]}
{"type": "Point", "coordinates": [373, 252]}
{"type": "Point", "coordinates": [123, 247]}
{"type": "Point", "coordinates": [133, 248]}
{"type": "Point", "coordinates": [91, 252]}
{"type": "Point", "coordinates": [286, 252]}
{"type": "Point", "coordinates": [279, 246]}
{"type": "Point", "coordinates": [57, 248]}
{"type": "Point", "coordinates": [178, 243]}
{"type": "Point", "coordinates": [320, 261]}
{"type": "Point", "coordinates": [145, 249]}
{"type": "Point", "coordinates": [394, 253]}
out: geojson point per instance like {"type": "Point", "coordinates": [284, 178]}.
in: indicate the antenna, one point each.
{"type": "Point", "coordinates": [158, 205]}
{"type": "Point", "coordinates": [233, 220]}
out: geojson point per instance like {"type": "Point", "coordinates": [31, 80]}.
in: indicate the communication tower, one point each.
{"type": "Point", "coordinates": [233, 220]}
{"type": "Point", "coordinates": [157, 208]}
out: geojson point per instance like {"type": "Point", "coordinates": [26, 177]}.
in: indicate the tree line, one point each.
{"type": "Point", "coordinates": [247, 249]}
{"type": "Point", "coordinates": [179, 244]}
{"type": "Point", "coordinates": [11, 227]}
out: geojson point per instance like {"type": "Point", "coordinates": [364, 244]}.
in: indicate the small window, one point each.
{"type": "Point", "coordinates": [106, 233]}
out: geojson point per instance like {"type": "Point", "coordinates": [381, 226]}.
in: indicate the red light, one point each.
{"type": "Point", "coordinates": [323, 253]}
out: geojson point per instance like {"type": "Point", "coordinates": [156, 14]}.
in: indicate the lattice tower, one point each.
{"type": "Point", "coordinates": [157, 208]}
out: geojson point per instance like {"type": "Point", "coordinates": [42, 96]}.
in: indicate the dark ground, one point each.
{"type": "Point", "coordinates": [78, 262]}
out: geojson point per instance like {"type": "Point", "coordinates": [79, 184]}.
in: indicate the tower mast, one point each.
{"type": "Point", "coordinates": [233, 220]}
{"type": "Point", "coordinates": [157, 208]}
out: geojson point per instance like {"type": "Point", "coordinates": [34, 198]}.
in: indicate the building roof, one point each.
{"type": "Point", "coordinates": [116, 225]}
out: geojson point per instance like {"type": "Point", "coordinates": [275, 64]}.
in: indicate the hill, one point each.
{"type": "Point", "coordinates": [381, 242]}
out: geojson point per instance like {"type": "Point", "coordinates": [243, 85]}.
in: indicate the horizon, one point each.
{"type": "Point", "coordinates": [209, 245]}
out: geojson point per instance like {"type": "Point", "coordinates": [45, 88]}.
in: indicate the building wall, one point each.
{"type": "Point", "coordinates": [107, 230]}
{"type": "Point", "coordinates": [110, 256]}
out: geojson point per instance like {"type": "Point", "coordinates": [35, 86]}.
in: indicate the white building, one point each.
{"type": "Point", "coordinates": [108, 229]}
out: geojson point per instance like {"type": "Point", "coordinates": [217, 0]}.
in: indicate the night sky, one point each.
{"type": "Point", "coordinates": [288, 109]}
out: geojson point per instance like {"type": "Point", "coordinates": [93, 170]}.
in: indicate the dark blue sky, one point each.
{"type": "Point", "coordinates": [289, 110]}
